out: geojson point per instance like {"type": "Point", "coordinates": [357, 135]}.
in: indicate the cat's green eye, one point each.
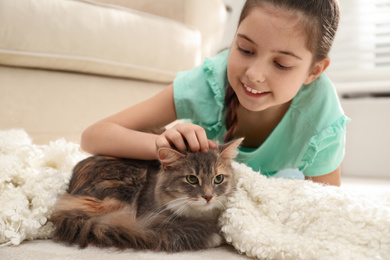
{"type": "Point", "coordinates": [192, 179]}
{"type": "Point", "coordinates": [218, 179]}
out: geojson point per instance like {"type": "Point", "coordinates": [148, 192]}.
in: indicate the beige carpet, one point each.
{"type": "Point", "coordinates": [49, 250]}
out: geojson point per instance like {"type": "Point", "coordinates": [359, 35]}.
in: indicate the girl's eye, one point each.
{"type": "Point", "coordinates": [192, 179]}
{"type": "Point", "coordinates": [218, 179]}
{"type": "Point", "coordinates": [246, 52]}
{"type": "Point", "coordinates": [280, 66]}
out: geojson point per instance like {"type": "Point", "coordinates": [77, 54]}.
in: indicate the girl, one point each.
{"type": "Point", "coordinates": [269, 88]}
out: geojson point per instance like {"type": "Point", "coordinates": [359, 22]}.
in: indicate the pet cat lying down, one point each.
{"type": "Point", "coordinates": [171, 204]}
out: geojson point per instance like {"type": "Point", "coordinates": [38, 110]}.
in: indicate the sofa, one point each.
{"type": "Point", "coordinates": [65, 64]}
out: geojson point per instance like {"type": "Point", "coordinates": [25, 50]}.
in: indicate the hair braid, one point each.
{"type": "Point", "coordinates": [231, 102]}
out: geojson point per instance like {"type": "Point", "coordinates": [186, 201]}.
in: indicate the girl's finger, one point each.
{"type": "Point", "coordinates": [202, 140]}
{"type": "Point", "coordinates": [212, 144]}
{"type": "Point", "coordinates": [176, 139]}
{"type": "Point", "coordinates": [195, 136]}
{"type": "Point", "coordinates": [192, 141]}
{"type": "Point", "coordinates": [162, 142]}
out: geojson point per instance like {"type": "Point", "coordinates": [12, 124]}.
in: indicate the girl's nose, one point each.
{"type": "Point", "coordinates": [255, 72]}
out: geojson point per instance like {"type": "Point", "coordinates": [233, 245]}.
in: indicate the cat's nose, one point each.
{"type": "Point", "coordinates": [207, 198]}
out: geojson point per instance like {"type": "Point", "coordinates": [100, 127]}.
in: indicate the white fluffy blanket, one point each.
{"type": "Point", "coordinates": [296, 219]}
{"type": "Point", "coordinates": [265, 218]}
{"type": "Point", "coordinates": [31, 179]}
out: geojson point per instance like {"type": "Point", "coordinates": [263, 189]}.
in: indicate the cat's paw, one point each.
{"type": "Point", "coordinates": [215, 240]}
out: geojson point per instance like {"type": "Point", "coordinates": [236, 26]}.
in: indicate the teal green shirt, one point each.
{"type": "Point", "coordinates": [310, 137]}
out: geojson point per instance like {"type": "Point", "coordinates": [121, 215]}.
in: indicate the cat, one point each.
{"type": "Point", "coordinates": [171, 204]}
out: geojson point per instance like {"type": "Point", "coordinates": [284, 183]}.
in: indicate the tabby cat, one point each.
{"type": "Point", "coordinates": [171, 204]}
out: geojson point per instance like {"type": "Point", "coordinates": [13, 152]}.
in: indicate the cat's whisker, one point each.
{"type": "Point", "coordinates": [183, 209]}
{"type": "Point", "coordinates": [170, 205]}
{"type": "Point", "coordinates": [176, 203]}
{"type": "Point", "coordinates": [146, 221]}
{"type": "Point", "coordinates": [169, 219]}
{"type": "Point", "coordinates": [152, 215]}
{"type": "Point", "coordinates": [166, 205]}
{"type": "Point", "coordinates": [178, 208]}
{"type": "Point", "coordinates": [222, 204]}
{"type": "Point", "coordinates": [177, 213]}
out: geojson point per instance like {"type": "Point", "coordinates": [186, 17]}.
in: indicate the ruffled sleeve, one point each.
{"type": "Point", "coordinates": [199, 94]}
{"type": "Point", "coordinates": [325, 151]}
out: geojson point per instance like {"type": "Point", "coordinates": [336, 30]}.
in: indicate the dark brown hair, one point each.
{"type": "Point", "coordinates": [320, 19]}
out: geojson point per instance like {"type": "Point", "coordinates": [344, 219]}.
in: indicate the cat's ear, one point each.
{"type": "Point", "coordinates": [228, 151]}
{"type": "Point", "coordinates": [168, 156]}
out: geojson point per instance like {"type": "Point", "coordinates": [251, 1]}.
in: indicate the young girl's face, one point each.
{"type": "Point", "coordinates": [269, 60]}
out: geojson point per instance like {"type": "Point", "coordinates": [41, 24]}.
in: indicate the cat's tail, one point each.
{"type": "Point", "coordinates": [84, 221]}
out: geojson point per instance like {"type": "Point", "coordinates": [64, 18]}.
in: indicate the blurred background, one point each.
{"type": "Point", "coordinates": [65, 64]}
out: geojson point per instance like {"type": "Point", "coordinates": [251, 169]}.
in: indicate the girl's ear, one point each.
{"type": "Point", "coordinates": [317, 69]}
{"type": "Point", "coordinates": [168, 157]}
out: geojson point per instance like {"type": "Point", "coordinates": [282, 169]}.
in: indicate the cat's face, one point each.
{"type": "Point", "coordinates": [193, 184]}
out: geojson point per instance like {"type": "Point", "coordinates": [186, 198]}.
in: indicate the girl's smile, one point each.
{"type": "Point", "coordinates": [253, 92]}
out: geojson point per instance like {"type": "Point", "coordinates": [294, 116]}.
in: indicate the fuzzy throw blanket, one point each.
{"type": "Point", "coordinates": [264, 218]}
{"type": "Point", "coordinates": [297, 219]}
{"type": "Point", "coordinates": [31, 179]}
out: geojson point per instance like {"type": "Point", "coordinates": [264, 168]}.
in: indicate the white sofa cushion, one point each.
{"type": "Point", "coordinates": [90, 37]}
{"type": "Point", "coordinates": [207, 16]}
{"type": "Point", "coordinates": [171, 9]}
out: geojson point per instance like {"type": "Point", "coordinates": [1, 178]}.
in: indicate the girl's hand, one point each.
{"type": "Point", "coordinates": [179, 134]}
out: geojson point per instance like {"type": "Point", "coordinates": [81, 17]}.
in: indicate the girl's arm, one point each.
{"type": "Point", "coordinates": [121, 134]}
{"type": "Point", "coordinates": [332, 178]}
